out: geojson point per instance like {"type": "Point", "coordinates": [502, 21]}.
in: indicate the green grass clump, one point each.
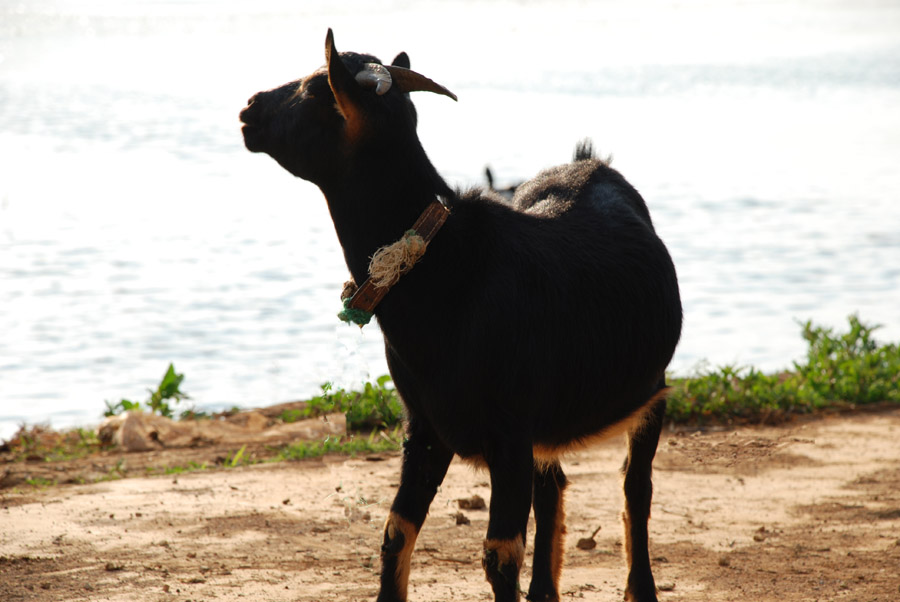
{"type": "Point", "coordinates": [41, 443]}
{"type": "Point", "coordinates": [158, 402]}
{"type": "Point", "coordinates": [376, 442]}
{"type": "Point", "coordinates": [376, 406]}
{"type": "Point", "coordinates": [841, 370]}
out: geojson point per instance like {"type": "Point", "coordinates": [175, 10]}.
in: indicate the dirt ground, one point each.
{"type": "Point", "coordinates": [806, 511]}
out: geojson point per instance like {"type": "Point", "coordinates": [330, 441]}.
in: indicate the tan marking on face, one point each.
{"type": "Point", "coordinates": [396, 524]}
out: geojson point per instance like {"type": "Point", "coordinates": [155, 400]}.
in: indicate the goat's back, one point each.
{"type": "Point", "coordinates": [562, 312]}
{"type": "Point", "coordinates": [590, 181]}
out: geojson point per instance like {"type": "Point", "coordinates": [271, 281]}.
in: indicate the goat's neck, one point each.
{"type": "Point", "coordinates": [375, 207]}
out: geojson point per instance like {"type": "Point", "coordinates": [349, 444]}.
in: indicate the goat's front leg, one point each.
{"type": "Point", "coordinates": [642, 443]}
{"type": "Point", "coordinates": [511, 464]}
{"type": "Point", "coordinates": [425, 463]}
{"type": "Point", "coordinates": [550, 530]}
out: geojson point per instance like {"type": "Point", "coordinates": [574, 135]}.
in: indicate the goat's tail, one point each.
{"type": "Point", "coordinates": [584, 150]}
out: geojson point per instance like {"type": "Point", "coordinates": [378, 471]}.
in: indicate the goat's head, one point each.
{"type": "Point", "coordinates": [312, 126]}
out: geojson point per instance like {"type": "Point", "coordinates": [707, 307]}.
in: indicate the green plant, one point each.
{"type": "Point", "coordinates": [40, 482]}
{"type": "Point", "coordinates": [191, 466]}
{"type": "Point", "coordinates": [42, 443]}
{"type": "Point", "coordinates": [235, 459]}
{"type": "Point", "coordinates": [292, 415]}
{"type": "Point", "coordinates": [158, 402]}
{"type": "Point", "coordinates": [376, 442]}
{"type": "Point", "coordinates": [376, 406]}
{"type": "Point", "coordinates": [840, 370]}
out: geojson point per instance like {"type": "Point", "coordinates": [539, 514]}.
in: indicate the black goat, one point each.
{"type": "Point", "coordinates": [523, 332]}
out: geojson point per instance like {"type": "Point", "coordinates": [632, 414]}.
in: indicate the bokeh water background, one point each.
{"type": "Point", "coordinates": [135, 230]}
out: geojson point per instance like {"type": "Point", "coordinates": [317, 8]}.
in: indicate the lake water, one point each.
{"type": "Point", "coordinates": [135, 230]}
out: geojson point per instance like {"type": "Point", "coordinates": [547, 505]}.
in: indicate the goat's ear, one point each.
{"type": "Point", "coordinates": [401, 60]}
{"type": "Point", "coordinates": [344, 87]}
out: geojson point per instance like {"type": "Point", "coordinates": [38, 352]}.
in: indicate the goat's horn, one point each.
{"type": "Point", "coordinates": [375, 76]}
{"type": "Point", "coordinates": [408, 80]}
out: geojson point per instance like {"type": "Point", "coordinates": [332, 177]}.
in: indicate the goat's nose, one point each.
{"type": "Point", "coordinates": [245, 112]}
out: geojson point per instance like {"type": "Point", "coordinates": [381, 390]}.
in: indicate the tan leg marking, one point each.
{"type": "Point", "coordinates": [626, 521]}
{"type": "Point", "coordinates": [558, 545]}
{"type": "Point", "coordinates": [396, 524]}
{"type": "Point", "coordinates": [508, 550]}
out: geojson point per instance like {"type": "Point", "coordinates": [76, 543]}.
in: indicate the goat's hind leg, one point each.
{"type": "Point", "coordinates": [550, 530]}
{"type": "Point", "coordinates": [511, 463]}
{"type": "Point", "coordinates": [425, 463]}
{"type": "Point", "coordinates": [642, 443]}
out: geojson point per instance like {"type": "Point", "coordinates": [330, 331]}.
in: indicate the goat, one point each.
{"type": "Point", "coordinates": [524, 330]}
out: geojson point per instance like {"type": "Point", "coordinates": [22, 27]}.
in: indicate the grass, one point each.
{"type": "Point", "coordinates": [376, 406]}
{"type": "Point", "coordinates": [43, 444]}
{"type": "Point", "coordinates": [840, 371]}
{"type": "Point", "coordinates": [352, 445]}
{"type": "Point", "coordinates": [176, 470]}
{"type": "Point", "coordinates": [169, 388]}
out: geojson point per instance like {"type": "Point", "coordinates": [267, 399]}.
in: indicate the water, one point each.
{"type": "Point", "coordinates": [135, 230]}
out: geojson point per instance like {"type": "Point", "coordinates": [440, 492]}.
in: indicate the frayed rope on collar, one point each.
{"type": "Point", "coordinates": [389, 263]}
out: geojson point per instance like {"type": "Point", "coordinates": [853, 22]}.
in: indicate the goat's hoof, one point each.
{"type": "Point", "coordinates": [504, 578]}
{"type": "Point", "coordinates": [641, 593]}
{"type": "Point", "coordinates": [534, 597]}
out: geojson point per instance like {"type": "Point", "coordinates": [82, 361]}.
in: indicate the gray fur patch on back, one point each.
{"type": "Point", "coordinates": [554, 191]}
{"type": "Point", "coordinates": [550, 207]}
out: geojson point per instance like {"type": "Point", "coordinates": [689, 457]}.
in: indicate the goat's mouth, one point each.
{"type": "Point", "coordinates": [250, 131]}
{"type": "Point", "coordinates": [251, 138]}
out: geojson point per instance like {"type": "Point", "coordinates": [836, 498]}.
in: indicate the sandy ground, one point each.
{"type": "Point", "coordinates": [807, 511]}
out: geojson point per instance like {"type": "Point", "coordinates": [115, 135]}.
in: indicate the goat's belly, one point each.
{"type": "Point", "coordinates": [553, 449]}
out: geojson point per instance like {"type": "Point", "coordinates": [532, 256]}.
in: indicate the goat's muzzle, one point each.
{"type": "Point", "coordinates": [248, 128]}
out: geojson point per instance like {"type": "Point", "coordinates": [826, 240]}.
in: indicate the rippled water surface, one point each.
{"type": "Point", "coordinates": [135, 230]}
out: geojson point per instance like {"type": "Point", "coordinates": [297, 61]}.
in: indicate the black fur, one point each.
{"type": "Point", "coordinates": [540, 323]}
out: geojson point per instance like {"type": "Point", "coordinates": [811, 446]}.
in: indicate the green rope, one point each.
{"type": "Point", "coordinates": [353, 315]}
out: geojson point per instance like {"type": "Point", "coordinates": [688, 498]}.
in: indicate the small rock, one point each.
{"type": "Point", "coordinates": [461, 519]}
{"type": "Point", "coordinates": [666, 587]}
{"type": "Point", "coordinates": [476, 502]}
{"type": "Point", "coordinates": [588, 543]}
